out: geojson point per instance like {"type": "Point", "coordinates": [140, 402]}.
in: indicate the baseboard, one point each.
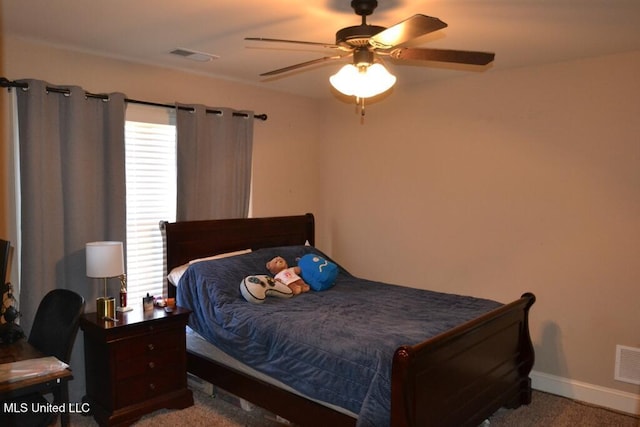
{"type": "Point", "coordinates": [584, 392]}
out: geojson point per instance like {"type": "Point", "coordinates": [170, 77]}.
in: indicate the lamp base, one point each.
{"type": "Point", "coordinates": [106, 307]}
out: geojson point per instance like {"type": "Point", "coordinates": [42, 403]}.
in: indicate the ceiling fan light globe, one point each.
{"type": "Point", "coordinates": [344, 80]}
{"type": "Point", "coordinates": [379, 79]}
{"type": "Point", "coordinates": [364, 82]}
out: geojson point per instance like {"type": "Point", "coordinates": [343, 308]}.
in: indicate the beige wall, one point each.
{"type": "Point", "coordinates": [491, 184]}
{"type": "Point", "coordinates": [499, 183]}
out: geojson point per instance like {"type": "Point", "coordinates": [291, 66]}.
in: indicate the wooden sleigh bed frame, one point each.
{"type": "Point", "coordinates": [458, 378]}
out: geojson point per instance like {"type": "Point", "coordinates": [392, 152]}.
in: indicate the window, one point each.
{"type": "Point", "coordinates": [150, 158]}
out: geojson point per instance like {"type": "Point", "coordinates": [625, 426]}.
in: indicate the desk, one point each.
{"type": "Point", "coordinates": [55, 383]}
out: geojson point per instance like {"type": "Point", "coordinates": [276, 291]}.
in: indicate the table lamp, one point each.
{"type": "Point", "coordinates": [105, 260]}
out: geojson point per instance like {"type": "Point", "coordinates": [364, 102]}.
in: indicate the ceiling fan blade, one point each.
{"type": "Point", "coordinates": [263, 39]}
{"type": "Point", "coordinates": [444, 55]}
{"type": "Point", "coordinates": [416, 26]}
{"type": "Point", "coordinates": [300, 65]}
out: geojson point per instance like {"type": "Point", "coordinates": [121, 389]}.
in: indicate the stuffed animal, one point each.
{"type": "Point", "coordinates": [290, 276]}
{"type": "Point", "coordinates": [313, 271]}
{"type": "Point", "coordinates": [256, 288]}
{"type": "Point", "coordinates": [319, 273]}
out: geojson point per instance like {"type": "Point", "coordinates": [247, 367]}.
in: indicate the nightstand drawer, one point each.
{"type": "Point", "coordinates": [149, 345]}
{"type": "Point", "coordinates": [139, 389]}
{"type": "Point", "coordinates": [148, 364]}
{"type": "Point", "coordinates": [144, 329]}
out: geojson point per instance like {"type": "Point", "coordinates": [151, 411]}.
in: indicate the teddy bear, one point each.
{"type": "Point", "coordinates": [290, 276]}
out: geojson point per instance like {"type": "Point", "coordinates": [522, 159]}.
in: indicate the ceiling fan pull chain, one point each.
{"type": "Point", "coordinates": [360, 107]}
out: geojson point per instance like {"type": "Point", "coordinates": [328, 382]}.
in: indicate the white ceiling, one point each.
{"type": "Point", "coordinates": [521, 33]}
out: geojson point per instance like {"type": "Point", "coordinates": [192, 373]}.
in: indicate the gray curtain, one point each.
{"type": "Point", "coordinates": [72, 173]}
{"type": "Point", "coordinates": [214, 163]}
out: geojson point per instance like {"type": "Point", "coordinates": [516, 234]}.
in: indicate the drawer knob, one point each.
{"type": "Point", "coordinates": [152, 365]}
{"type": "Point", "coordinates": [152, 386]}
{"type": "Point", "coordinates": [150, 346]}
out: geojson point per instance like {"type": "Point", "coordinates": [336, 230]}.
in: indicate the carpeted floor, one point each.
{"type": "Point", "coordinates": [545, 410]}
{"type": "Point", "coordinates": [555, 411]}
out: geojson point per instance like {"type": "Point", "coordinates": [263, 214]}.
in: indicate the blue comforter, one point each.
{"type": "Point", "coordinates": [337, 345]}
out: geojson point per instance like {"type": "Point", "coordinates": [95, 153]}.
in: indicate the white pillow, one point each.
{"type": "Point", "coordinates": [176, 273]}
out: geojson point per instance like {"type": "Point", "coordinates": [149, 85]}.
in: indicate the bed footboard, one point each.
{"type": "Point", "coordinates": [461, 377]}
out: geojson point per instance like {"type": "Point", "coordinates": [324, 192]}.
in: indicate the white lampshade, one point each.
{"type": "Point", "coordinates": [364, 81]}
{"type": "Point", "coordinates": [105, 259]}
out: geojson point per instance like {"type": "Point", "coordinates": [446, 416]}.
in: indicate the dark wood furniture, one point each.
{"type": "Point", "coordinates": [55, 383]}
{"type": "Point", "coordinates": [458, 378]}
{"type": "Point", "coordinates": [135, 365]}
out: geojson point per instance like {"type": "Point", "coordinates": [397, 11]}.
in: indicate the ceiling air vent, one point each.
{"type": "Point", "coordinates": [194, 55]}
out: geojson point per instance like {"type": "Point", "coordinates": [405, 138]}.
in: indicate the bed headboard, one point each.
{"type": "Point", "coordinates": [189, 240]}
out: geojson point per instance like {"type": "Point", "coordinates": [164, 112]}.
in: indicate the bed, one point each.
{"type": "Point", "coordinates": [457, 376]}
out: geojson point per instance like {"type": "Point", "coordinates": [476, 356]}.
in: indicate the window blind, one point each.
{"type": "Point", "coordinates": [150, 155]}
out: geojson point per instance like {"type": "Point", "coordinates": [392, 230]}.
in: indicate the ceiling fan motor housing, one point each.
{"type": "Point", "coordinates": [357, 36]}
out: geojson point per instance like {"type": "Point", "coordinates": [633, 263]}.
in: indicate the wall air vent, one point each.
{"type": "Point", "coordinates": [194, 55]}
{"type": "Point", "coordinates": [627, 364]}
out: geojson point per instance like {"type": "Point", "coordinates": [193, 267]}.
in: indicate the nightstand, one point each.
{"type": "Point", "coordinates": [135, 365]}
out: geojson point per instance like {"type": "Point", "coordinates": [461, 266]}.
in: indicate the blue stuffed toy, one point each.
{"type": "Point", "coordinates": [317, 272]}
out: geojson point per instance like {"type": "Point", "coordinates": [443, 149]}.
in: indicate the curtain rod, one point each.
{"type": "Point", "coordinates": [4, 82]}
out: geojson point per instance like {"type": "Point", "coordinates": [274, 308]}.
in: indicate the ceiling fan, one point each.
{"type": "Point", "coordinates": [367, 44]}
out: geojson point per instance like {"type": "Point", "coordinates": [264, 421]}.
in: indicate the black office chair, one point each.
{"type": "Point", "coordinates": [53, 333]}
{"type": "Point", "coordinates": [56, 323]}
